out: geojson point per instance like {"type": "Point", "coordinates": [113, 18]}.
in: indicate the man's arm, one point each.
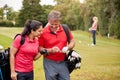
{"type": "Point", "coordinates": [71, 44]}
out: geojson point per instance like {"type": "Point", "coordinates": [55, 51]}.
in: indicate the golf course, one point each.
{"type": "Point", "coordinates": [100, 62]}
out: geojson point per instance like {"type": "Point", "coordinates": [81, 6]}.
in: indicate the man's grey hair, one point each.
{"type": "Point", "coordinates": [54, 15]}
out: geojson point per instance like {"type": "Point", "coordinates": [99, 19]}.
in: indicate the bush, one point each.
{"type": "Point", "coordinates": [6, 23]}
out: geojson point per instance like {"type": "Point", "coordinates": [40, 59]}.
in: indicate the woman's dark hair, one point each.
{"type": "Point", "coordinates": [30, 25]}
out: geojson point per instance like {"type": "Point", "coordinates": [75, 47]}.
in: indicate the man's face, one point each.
{"type": "Point", "coordinates": [54, 25]}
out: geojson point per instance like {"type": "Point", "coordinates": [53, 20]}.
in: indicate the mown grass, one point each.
{"type": "Point", "coordinates": [5, 40]}
{"type": "Point", "coordinates": [100, 62]}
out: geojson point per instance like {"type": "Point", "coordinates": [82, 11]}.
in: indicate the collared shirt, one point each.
{"type": "Point", "coordinates": [49, 39]}
{"type": "Point", "coordinates": [26, 53]}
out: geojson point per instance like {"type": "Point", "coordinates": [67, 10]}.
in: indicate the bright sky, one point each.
{"type": "Point", "coordinates": [17, 4]}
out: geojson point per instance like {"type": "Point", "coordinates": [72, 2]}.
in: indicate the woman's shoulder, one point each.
{"type": "Point", "coordinates": [17, 37]}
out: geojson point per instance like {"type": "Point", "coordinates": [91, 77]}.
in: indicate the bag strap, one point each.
{"type": "Point", "coordinates": [22, 39]}
{"type": "Point", "coordinates": [66, 29]}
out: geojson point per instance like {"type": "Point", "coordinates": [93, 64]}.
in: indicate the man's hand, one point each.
{"type": "Point", "coordinates": [55, 49]}
{"type": "Point", "coordinates": [65, 49]}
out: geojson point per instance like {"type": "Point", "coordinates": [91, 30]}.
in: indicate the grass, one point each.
{"type": "Point", "coordinates": [101, 62]}
{"type": "Point", "coordinates": [5, 40]}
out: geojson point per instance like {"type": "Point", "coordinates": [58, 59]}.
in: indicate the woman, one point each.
{"type": "Point", "coordinates": [22, 56]}
{"type": "Point", "coordinates": [93, 30]}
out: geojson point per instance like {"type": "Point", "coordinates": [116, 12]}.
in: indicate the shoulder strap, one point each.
{"type": "Point", "coordinates": [66, 29]}
{"type": "Point", "coordinates": [22, 39]}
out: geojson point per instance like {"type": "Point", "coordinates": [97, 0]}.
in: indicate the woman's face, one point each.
{"type": "Point", "coordinates": [37, 32]}
{"type": "Point", "coordinates": [94, 18]}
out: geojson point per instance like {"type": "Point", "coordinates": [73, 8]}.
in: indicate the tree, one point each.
{"type": "Point", "coordinates": [47, 9]}
{"type": "Point", "coordinates": [31, 10]}
{"type": "Point", "coordinates": [70, 12]}
{"type": "Point", "coordinates": [114, 22]}
{"type": "Point", "coordinates": [1, 13]}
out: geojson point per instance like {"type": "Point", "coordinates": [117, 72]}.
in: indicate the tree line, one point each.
{"type": "Point", "coordinates": [77, 15]}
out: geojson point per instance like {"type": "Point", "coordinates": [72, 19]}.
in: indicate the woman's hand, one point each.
{"type": "Point", "coordinates": [13, 75]}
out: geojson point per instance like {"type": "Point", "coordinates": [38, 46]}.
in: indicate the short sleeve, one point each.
{"type": "Point", "coordinates": [16, 42]}
{"type": "Point", "coordinates": [41, 41]}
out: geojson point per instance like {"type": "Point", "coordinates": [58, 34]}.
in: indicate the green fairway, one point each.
{"type": "Point", "coordinates": [100, 62]}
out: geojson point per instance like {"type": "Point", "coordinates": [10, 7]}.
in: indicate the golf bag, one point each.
{"type": "Point", "coordinates": [4, 64]}
{"type": "Point", "coordinates": [73, 60]}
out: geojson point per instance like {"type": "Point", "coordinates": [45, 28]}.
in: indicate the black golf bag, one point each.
{"type": "Point", "coordinates": [4, 65]}
{"type": "Point", "coordinates": [73, 59]}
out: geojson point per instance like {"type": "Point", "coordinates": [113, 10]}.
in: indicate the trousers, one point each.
{"type": "Point", "coordinates": [56, 70]}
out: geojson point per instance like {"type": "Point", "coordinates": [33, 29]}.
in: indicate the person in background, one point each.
{"type": "Point", "coordinates": [22, 56]}
{"type": "Point", "coordinates": [53, 45]}
{"type": "Point", "coordinates": [93, 29]}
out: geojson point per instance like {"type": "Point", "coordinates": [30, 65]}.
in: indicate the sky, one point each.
{"type": "Point", "coordinates": [17, 4]}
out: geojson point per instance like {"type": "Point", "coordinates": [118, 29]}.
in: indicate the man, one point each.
{"type": "Point", "coordinates": [53, 44]}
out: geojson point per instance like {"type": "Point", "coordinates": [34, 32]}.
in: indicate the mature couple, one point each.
{"type": "Point", "coordinates": [51, 42]}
